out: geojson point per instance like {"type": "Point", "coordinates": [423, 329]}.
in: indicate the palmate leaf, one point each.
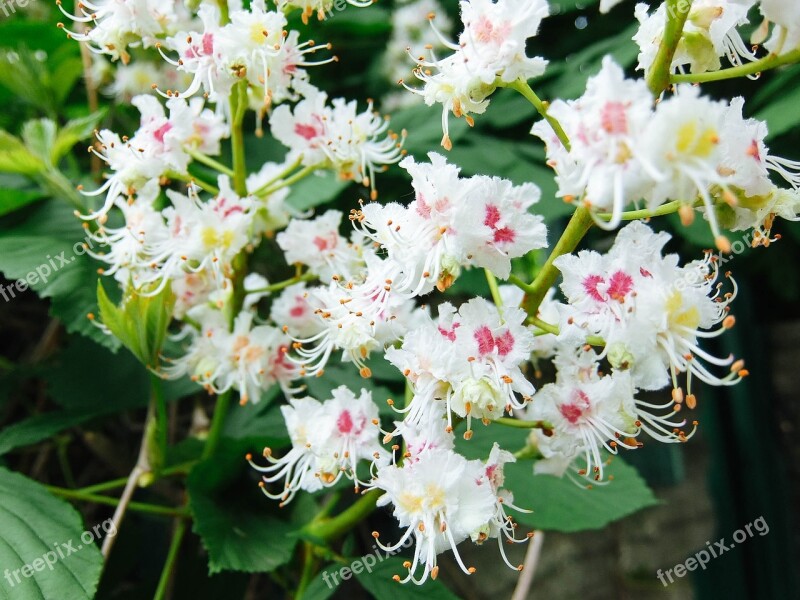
{"type": "Point", "coordinates": [558, 504]}
{"type": "Point", "coordinates": [35, 527]}
{"type": "Point", "coordinates": [236, 523]}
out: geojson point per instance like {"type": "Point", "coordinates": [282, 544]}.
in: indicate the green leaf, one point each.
{"type": "Point", "coordinates": [44, 243]}
{"type": "Point", "coordinates": [140, 322]}
{"type": "Point", "coordinates": [380, 584]}
{"type": "Point", "coordinates": [16, 158]}
{"type": "Point", "coordinates": [559, 504]}
{"type": "Point", "coordinates": [41, 427]}
{"type": "Point", "coordinates": [12, 200]}
{"type": "Point", "coordinates": [315, 190]}
{"type": "Point", "coordinates": [235, 521]}
{"type": "Point", "coordinates": [73, 132]}
{"type": "Point", "coordinates": [39, 136]}
{"type": "Point", "coordinates": [319, 588]}
{"type": "Point", "coordinates": [35, 527]}
{"type": "Point", "coordinates": [781, 115]}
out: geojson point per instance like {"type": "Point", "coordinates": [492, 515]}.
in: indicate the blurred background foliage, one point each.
{"type": "Point", "coordinates": [72, 404]}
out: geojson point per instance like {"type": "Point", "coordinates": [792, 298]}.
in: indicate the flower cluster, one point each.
{"type": "Point", "coordinates": [621, 323]}
{"type": "Point", "coordinates": [491, 50]}
{"type": "Point", "coordinates": [688, 148]}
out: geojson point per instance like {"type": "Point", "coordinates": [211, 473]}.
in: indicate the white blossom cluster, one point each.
{"type": "Point", "coordinates": [630, 320]}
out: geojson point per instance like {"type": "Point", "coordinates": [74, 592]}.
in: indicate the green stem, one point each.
{"type": "Point", "coordinates": [659, 77]}
{"type": "Point", "coordinates": [514, 280]}
{"type": "Point", "coordinates": [217, 421]}
{"type": "Point", "coordinates": [771, 61]}
{"type": "Point", "coordinates": [633, 215]}
{"type": "Point", "coordinates": [158, 457]}
{"type": "Point", "coordinates": [578, 225]}
{"type": "Point", "coordinates": [520, 424]}
{"type": "Point", "coordinates": [153, 509]}
{"type": "Point", "coordinates": [523, 88]}
{"type": "Point", "coordinates": [308, 570]}
{"type": "Point", "coordinates": [548, 328]}
{"type": "Point", "coordinates": [492, 281]}
{"type": "Point", "coordinates": [276, 287]}
{"type": "Point", "coordinates": [260, 191]}
{"type": "Point", "coordinates": [186, 178]}
{"type": "Point", "coordinates": [172, 556]}
{"type": "Point", "coordinates": [238, 108]}
{"type": "Point", "coordinates": [209, 162]}
{"type": "Point", "coordinates": [330, 529]}
{"type": "Point", "coordinates": [181, 469]}
{"type": "Point", "coordinates": [301, 174]}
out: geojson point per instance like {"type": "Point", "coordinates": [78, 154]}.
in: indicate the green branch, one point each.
{"type": "Point", "coordinates": [209, 162]}
{"type": "Point", "coordinates": [172, 557]}
{"type": "Point", "coordinates": [281, 285]}
{"type": "Point", "coordinates": [330, 529]}
{"type": "Point", "coordinates": [238, 101]}
{"type": "Point", "coordinates": [659, 77]}
{"type": "Point", "coordinates": [771, 61]}
{"type": "Point", "coordinates": [523, 88]}
{"type": "Point", "coordinates": [217, 421]}
{"type": "Point", "coordinates": [520, 424]}
{"type": "Point", "coordinates": [153, 509]}
{"type": "Point", "coordinates": [578, 225]}
{"type": "Point", "coordinates": [284, 173]}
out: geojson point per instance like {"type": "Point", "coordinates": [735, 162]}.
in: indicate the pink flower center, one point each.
{"type": "Point", "coordinates": [307, 132]}
{"type": "Point", "coordinates": [451, 334]}
{"type": "Point", "coordinates": [161, 132]}
{"type": "Point", "coordinates": [345, 422]}
{"type": "Point", "coordinates": [483, 335]}
{"type": "Point", "coordinates": [613, 118]}
{"type": "Point", "coordinates": [573, 411]}
{"type": "Point", "coordinates": [590, 284]}
{"type": "Point", "coordinates": [208, 44]}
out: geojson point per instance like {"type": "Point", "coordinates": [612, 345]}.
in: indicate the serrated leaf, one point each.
{"type": "Point", "coordinates": [559, 504]}
{"type": "Point", "coordinates": [35, 526]}
{"type": "Point", "coordinates": [380, 584]}
{"type": "Point", "coordinates": [44, 234]}
{"type": "Point", "coordinates": [235, 521]}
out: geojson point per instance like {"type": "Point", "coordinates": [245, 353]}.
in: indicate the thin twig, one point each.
{"type": "Point", "coordinates": [529, 569]}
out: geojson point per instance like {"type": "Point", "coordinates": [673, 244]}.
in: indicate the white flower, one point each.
{"type": "Point", "coordinates": [318, 244]}
{"type": "Point", "coordinates": [119, 24]}
{"type": "Point", "coordinates": [786, 16]}
{"type": "Point", "coordinates": [469, 361]}
{"type": "Point", "coordinates": [439, 499]}
{"type": "Point", "coordinates": [709, 33]}
{"type": "Point", "coordinates": [491, 49]}
{"type": "Point", "coordinates": [605, 166]}
{"type": "Point", "coordinates": [354, 144]}
{"type": "Point", "coordinates": [650, 312]}
{"type": "Point", "coordinates": [329, 439]}
{"type": "Point", "coordinates": [452, 223]}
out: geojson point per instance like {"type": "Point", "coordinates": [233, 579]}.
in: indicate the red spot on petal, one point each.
{"type": "Point", "coordinates": [504, 343]}
{"type": "Point", "coordinates": [504, 236]}
{"type": "Point", "coordinates": [620, 286]}
{"type": "Point", "coordinates": [483, 335]}
{"type": "Point", "coordinates": [345, 422]}
{"type": "Point", "coordinates": [492, 216]}
{"type": "Point", "coordinates": [307, 132]}
{"type": "Point", "coordinates": [613, 118]}
{"type": "Point", "coordinates": [590, 286]}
